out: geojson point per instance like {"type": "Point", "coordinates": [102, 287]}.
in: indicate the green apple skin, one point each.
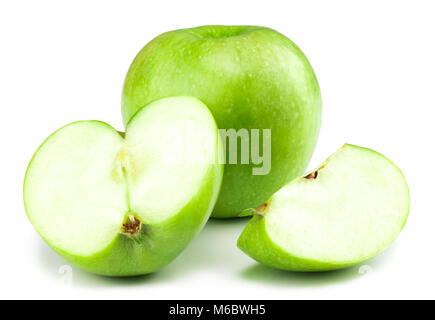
{"type": "Point", "coordinates": [157, 244]}
{"type": "Point", "coordinates": [250, 77]}
{"type": "Point", "coordinates": [256, 242]}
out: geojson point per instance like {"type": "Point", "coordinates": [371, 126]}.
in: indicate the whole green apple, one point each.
{"type": "Point", "coordinates": [126, 204]}
{"type": "Point", "coordinates": [251, 78]}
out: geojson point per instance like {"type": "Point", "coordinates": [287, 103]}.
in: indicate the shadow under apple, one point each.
{"type": "Point", "coordinates": [58, 268]}
{"type": "Point", "coordinates": [213, 250]}
{"type": "Point", "coordinates": [275, 277]}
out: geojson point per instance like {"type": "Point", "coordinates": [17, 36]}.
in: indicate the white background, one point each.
{"type": "Point", "coordinates": [64, 61]}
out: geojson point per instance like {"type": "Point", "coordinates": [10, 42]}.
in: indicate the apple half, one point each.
{"type": "Point", "coordinates": [348, 210]}
{"type": "Point", "coordinates": [126, 204]}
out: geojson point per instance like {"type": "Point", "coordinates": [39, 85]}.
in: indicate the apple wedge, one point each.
{"type": "Point", "coordinates": [126, 204]}
{"type": "Point", "coordinates": [348, 210]}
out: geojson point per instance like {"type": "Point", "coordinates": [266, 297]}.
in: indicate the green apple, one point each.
{"type": "Point", "coordinates": [126, 204]}
{"type": "Point", "coordinates": [250, 78]}
{"type": "Point", "coordinates": [345, 212]}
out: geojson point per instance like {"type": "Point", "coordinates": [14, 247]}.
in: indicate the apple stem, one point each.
{"type": "Point", "coordinates": [261, 210]}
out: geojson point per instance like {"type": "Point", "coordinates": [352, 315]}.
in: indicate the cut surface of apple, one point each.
{"type": "Point", "coordinates": [126, 204]}
{"type": "Point", "coordinates": [348, 210]}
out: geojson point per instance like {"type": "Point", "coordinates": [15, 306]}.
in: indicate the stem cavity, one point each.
{"type": "Point", "coordinates": [131, 226]}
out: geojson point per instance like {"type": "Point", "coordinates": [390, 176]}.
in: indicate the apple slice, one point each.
{"type": "Point", "coordinates": [123, 205]}
{"type": "Point", "coordinates": [347, 211]}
